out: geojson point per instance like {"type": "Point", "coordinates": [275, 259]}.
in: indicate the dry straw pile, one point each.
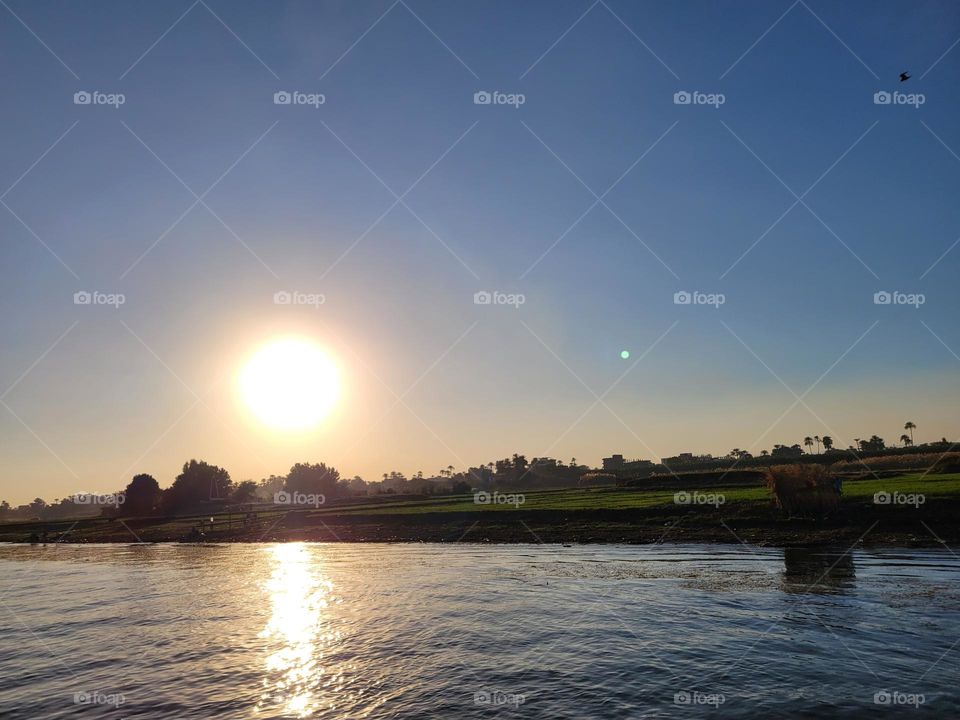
{"type": "Point", "coordinates": [803, 490]}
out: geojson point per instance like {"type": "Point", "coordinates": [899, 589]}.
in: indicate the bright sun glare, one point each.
{"type": "Point", "coordinates": [290, 384]}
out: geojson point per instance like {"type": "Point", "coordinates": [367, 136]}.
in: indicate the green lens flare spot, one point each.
{"type": "Point", "coordinates": [625, 354]}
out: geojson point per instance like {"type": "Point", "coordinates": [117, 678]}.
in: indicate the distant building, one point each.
{"type": "Point", "coordinates": [613, 463]}
{"type": "Point", "coordinates": [617, 465]}
{"type": "Point", "coordinates": [687, 459]}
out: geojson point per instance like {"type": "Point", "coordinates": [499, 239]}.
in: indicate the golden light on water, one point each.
{"type": "Point", "coordinates": [298, 592]}
{"type": "Point", "coordinates": [290, 384]}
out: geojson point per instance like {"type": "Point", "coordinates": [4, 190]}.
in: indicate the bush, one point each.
{"type": "Point", "coordinates": [913, 461]}
{"type": "Point", "coordinates": [803, 490]}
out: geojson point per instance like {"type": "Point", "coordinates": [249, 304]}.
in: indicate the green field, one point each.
{"type": "Point", "coordinates": [623, 499]}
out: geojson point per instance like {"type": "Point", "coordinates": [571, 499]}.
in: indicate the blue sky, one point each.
{"type": "Point", "coordinates": [296, 189]}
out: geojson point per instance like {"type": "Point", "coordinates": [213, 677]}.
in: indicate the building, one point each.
{"type": "Point", "coordinates": [617, 465]}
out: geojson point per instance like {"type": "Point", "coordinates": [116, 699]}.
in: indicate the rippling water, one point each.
{"type": "Point", "coordinates": [475, 631]}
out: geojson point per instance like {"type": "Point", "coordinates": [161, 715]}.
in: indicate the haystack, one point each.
{"type": "Point", "coordinates": [803, 490]}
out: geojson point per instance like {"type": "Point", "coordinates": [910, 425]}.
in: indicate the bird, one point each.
{"type": "Point", "coordinates": [904, 76]}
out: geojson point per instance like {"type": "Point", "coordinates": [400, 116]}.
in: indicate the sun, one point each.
{"type": "Point", "coordinates": [290, 384]}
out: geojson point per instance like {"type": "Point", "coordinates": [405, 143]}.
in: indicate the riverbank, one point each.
{"type": "Point", "coordinates": [921, 511]}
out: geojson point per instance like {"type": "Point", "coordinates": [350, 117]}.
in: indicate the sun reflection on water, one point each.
{"type": "Point", "coordinates": [299, 593]}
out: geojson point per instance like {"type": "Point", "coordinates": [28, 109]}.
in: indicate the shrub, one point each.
{"type": "Point", "coordinates": [912, 461]}
{"type": "Point", "coordinates": [803, 490]}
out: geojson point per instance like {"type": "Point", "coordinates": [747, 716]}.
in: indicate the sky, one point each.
{"type": "Point", "coordinates": [585, 195]}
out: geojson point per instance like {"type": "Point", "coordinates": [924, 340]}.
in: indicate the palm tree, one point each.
{"type": "Point", "coordinates": [827, 442]}
{"type": "Point", "coordinates": [573, 462]}
{"type": "Point", "coordinates": [905, 439]}
{"type": "Point", "coordinates": [911, 427]}
{"type": "Point", "coordinates": [817, 438]}
{"type": "Point", "coordinates": [808, 441]}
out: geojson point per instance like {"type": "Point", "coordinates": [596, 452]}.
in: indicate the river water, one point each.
{"type": "Point", "coordinates": [476, 631]}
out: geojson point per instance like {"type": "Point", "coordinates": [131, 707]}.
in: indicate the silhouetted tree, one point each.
{"type": "Point", "coordinates": [905, 439]}
{"type": "Point", "coordinates": [817, 439]}
{"type": "Point", "coordinates": [313, 479]}
{"type": "Point", "coordinates": [827, 442]}
{"type": "Point", "coordinates": [199, 482]}
{"type": "Point", "coordinates": [142, 495]}
{"type": "Point", "coordinates": [245, 492]}
{"type": "Point", "coordinates": [808, 442]}
{"type": "Point", "coordinates": [910, 427]}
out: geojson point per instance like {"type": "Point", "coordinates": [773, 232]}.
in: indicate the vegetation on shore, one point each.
{"type": "Point", "coordinates": [598, 514]}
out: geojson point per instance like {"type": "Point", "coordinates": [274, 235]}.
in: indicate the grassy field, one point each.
{"type": "Point", "coordinates": [587, 510]}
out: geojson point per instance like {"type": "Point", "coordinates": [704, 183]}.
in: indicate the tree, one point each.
{"type": "Point", "coordinates": [827, 442]}
{"type": "Point", "coordinates": [357, 485]}
{"type": "Point", "coordinates": [910, 426]}
{"type": "Point", "coordinates": [817, 439]}
{"type": "Point", "coordinates": [245, 492]}
{"type": "Point", "coordinates": [906, 440]}
{"type": "Point", "coordinates": [141, 496]}
{"type": "Point", "coordinates": [874, 444]}
{"type": "Point", "coordinates": [808, 442]}
{"type": "Point", "coordinates": [199, 482]}
{"type": "Point", "coordinates": [312, 479]}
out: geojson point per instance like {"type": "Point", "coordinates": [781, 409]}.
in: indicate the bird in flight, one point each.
{"type": "Point", "coordinates": [904, 76]}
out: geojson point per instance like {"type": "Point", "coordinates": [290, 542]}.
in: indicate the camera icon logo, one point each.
{"type": "Point", "coordinates": [681, 498]}
{"type": "Point", "coordinates": [82, 297]}
{"type": "Point", "coordinates": [482, 298]}
{"type": "Point", "coordinates": [682, 97]}
{"type": "Point", "coordinates": [882, 97]}
{"type": "Point", "coordinates": [882, 297]}
{"type": "Point", "coordinates": [882, 697]}
{"type": "Point", "coordinates": [682, 298]}
{"type": "Point", "coordinates": [482, 97]}
{"type": "Point", "coordinates": [882, 498]}
{"type": "Point", "coordinates": [282, 297]}
{"type": "Point", "coordinates": [481, 497]}
{"type": "Point", "coordinates": [82, 98]}
{"type": "Point", "coordinates": [681, 698]}
{"type": "Point", "coordinates": [282, 97]}
{"type": "Point", "coordinates": [282, 498]}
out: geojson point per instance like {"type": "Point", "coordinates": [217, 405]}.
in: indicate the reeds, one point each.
{"type": "Point", "coordinates": [803, 490]}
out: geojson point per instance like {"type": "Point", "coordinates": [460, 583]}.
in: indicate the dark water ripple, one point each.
{"type": "Point", "coordinates": [476, 631]}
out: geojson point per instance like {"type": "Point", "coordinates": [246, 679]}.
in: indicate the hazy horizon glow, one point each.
{"type": "Point", "coordinates": [474, 271]}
